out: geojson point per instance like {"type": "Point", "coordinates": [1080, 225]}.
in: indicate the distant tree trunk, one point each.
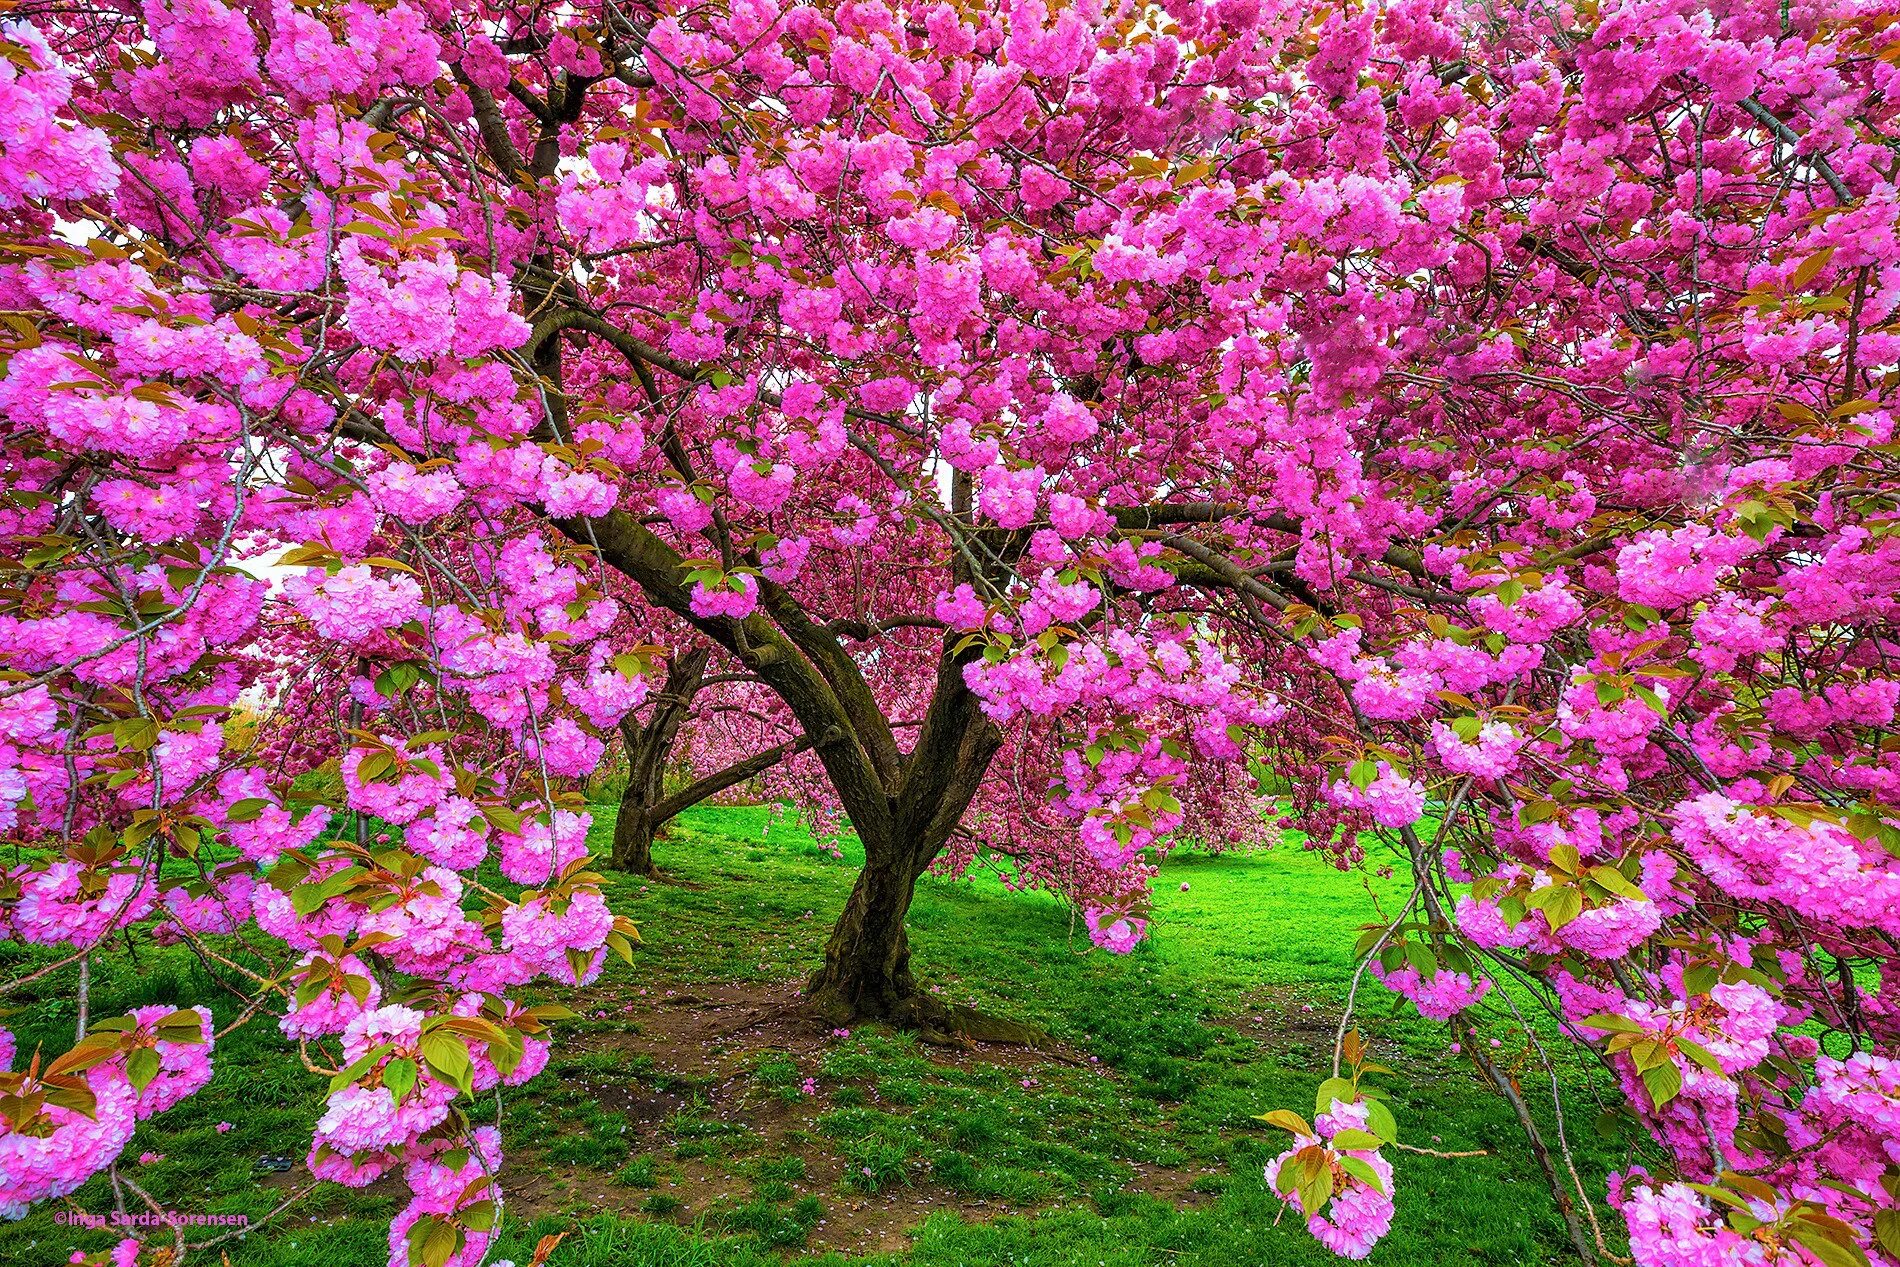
{"type": "Point", "coordinates": [648, 748]}
{"type": "Point", "coordinates": [645, 807]}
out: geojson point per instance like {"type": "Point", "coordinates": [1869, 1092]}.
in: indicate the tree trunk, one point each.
{"type": "Point", "coordinates": [903, 805]}
{"type": "Point", "coordinates": [633, 832]}
{"type": "Point", "coordinates": [648, 748]}
{"type": "Point", "coordinates": [866, 972]}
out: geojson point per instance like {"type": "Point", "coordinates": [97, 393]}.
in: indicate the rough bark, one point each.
{"type": "Point", "coordinates": [633, 835]}
{"type": "Point", "coordinates": [866, 973]}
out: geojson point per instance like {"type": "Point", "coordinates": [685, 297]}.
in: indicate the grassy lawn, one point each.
{"type": "Point", "coordinates": [693, 1116]}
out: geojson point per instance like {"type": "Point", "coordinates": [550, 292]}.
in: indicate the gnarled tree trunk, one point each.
{"type": "Point", "coordinates": [903, 805]}
{"type": "Point", "coordinates": [633, 834]}
{"type": "Point", "coordinates": [866, 972]}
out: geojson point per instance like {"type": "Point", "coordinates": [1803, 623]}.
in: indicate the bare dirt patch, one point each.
{"type": "Point", "coordinates": [1277, 1016]}
{"type": "Point", "coordinates": [697, 1049]}
{"type": "Point", "coordinates": [714, 1031]}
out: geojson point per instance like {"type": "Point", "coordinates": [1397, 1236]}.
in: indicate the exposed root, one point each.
{"type": "Point", "coordinates": [936, 1022]}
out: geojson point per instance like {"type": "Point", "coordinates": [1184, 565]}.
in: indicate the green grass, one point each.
{"type": "Point", "coordinates": [1141, 1151]}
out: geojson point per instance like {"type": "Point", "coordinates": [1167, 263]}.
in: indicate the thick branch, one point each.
{"type": "Point", "coordinates": [626, 545]}
{"type": "Point", "coordinates": [736, 773]}
{"type": "Point", "coordinates": [493, 128]}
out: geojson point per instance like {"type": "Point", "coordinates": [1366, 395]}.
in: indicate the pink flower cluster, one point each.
{"type": "Point", "coordinates": [1438, 997]}
{"type": "Point", "coordinates": [1359, 1212]}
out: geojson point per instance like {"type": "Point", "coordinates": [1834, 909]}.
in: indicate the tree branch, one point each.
{"type": "Point", "coordinates": [736, 773]}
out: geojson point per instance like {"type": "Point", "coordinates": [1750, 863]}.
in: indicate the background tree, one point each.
{"type": "Point", "coordinates": [724, 740]}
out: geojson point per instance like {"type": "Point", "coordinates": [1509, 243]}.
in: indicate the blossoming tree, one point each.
{"type": "Point", "coordinates": [1477, 414]}
{"type": "Point", "coordinates": [734, 737]}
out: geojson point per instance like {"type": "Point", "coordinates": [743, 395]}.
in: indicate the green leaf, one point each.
{"type": "Point", "coordinates": [1648, 1053]}
{"type": "Point", "coordinates": [1379, 1118]}
{"type": "Point", "coordinates": [1701, 1055]}
{"type": "Point", "coordinates": [1663, 1082]}
{"type": "Point", "coordinates": [1317, 1191]}
{"type": "Point", "coordinates": [399, 1075]}
{"type": "Point", "coordinates": [440, 1244]}
{"type": "Point", "coordinates": [1887, 1231]}
{"type": "Point", "coordinates": [1611, 1125]}
{"type": "Point", "coordinates": [1829, 1251]}
{"type": "Point", "coordinates": [141, 1067]}
{"type": "Point", "coordinates": [357, 1068]}
{"type": "Point", "coordinates": [307, 898]}
{"type": "Point", "coordinates": [1286, 1120]}
{"type": "Point", "coordinates": [182, 1026]}
{"type": "Point", "coordinates": [447, 1058]}
{"type": "Point", "coordinates": [136, 733]}
{"type": "Point", "coordinates": [1330, 1090]}
{"type": "Point", "coordinates": [1612, 1023]}
{"type": "Point", "coordinates": [79, 1099]}
{"type": "Point", "coordinates": [507, 1053]}
{"type": "Point", "coordinates": [1618, 883]}
{"type": "Point", "coordinates": [1560, 903]}
{"type": "Point", "coordinates": [93, 1050]}
{"type": "Point", "coordinates": [1650, 698]}
{"type": "Point", "coordinates": [1356, 1140]}
{"type": "Point", "coordinates": [1699, 979]}
{"type": "Point", "coordinates": [1731, 1199]}
{"type": "Point", "coordinates": [1810, 268]}
{"type": "Point", "coordinates": [248, 810]}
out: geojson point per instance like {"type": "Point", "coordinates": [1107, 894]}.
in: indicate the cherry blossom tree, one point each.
{"type": "Point", "coordinates": [1478, 416]}
{"type": "Point", "coordinates": [730, 741]}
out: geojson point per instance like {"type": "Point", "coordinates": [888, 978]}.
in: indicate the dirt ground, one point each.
{"type": "Point", "coordinates": [712, 1038]}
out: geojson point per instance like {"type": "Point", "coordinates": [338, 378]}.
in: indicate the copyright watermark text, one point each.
{"type": "Point", "coordinates": [160, 1218]}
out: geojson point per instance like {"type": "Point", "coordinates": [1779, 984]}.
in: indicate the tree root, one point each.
{"type": "Point", "coordinates": [934, 1021]}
